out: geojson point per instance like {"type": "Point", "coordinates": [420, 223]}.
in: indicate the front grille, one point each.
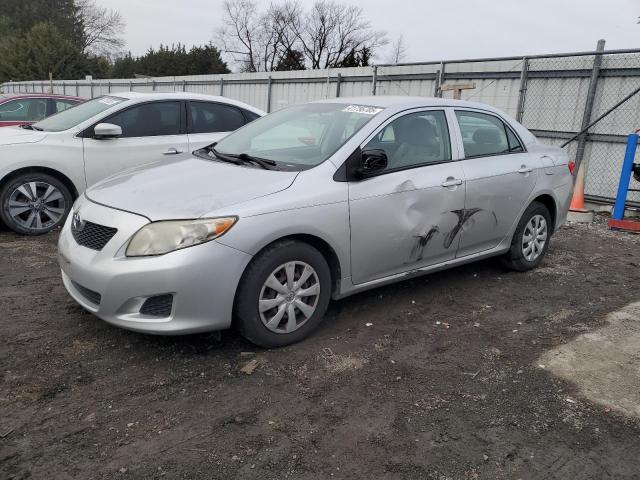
{"type": "Point", "coordinates": [92, 235]}
{"type": "Point", "coordinates": [89, 295]}
{"type": "Point", "coordinates": [158, 306]}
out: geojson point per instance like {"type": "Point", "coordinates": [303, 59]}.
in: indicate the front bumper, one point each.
{"type": "Point", "coordinates": [202, 279]}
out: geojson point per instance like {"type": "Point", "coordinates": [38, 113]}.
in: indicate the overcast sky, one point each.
{"type": "Point", "coordinates": [433, 30]}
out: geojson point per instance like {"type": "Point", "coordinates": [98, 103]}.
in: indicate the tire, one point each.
{"type": "Point", "coordinates": [30, 212]}
{"type": "Point", "coordinates": [273, 326]}
{"type": "Point", "coordinates": [520, 257]}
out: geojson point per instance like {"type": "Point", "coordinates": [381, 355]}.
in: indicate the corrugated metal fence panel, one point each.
{"type": "Point", "coordinates": [500, 93]}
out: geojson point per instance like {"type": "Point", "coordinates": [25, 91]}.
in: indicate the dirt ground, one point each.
{"type": "Point", "coordinates": [441, 377]}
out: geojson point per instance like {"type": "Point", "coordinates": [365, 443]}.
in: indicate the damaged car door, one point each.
{"type": "Point", "coordinates": [500, 176]}
{"type": "Point", "coordinates": [402, 218]}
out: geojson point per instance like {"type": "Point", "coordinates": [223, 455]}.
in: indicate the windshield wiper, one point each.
{"type": "Point", "coordinates": [263, 162]}
{"type": "Point", "coordinates": [243, 159]}
{"type": "Point", "coordinates": [223, 157]}
{"type": "Point", "coordinates": [30, 127]}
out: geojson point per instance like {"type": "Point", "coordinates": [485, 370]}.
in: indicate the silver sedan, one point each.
{"type": "Point", "coordinates": [313, 202]}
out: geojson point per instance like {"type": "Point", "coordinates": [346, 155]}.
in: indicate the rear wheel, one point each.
{"type": "Point", "coordinates": [34, 203]}
{"type": "Point", "coordinates": [530, 240]}
{"type": "Point", "coordinates": [283, 295]}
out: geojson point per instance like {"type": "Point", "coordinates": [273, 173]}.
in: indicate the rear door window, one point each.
{"type": "Point", "coordinates": [484, 134]}
{"type": "Point", "coordinates": [208, 117]}
{"type": "Point", "coordinates": [62, 105]}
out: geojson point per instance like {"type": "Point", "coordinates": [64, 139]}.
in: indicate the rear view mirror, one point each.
{"type": "Point", "coordinates": [106, 130]}
{"type": "Point", "coordinates": [372, 162]}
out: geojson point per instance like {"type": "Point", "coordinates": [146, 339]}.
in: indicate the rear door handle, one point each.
{"type": "Point", "coordinates": [451, 182]}
{"type": "Point", "coordinates": [172, 151]}
{"type": "Point", "coordinates": [525, 169]}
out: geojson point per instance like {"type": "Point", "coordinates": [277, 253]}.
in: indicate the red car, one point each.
{"type": "Point", "coordinates": [28, 108]}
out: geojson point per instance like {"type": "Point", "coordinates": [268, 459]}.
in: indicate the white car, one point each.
{"type": "Point", "coordinates": [45, 166]}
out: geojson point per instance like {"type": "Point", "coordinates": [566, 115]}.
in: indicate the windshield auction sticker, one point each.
{"type": "Point", "coordinates": [365, 109]}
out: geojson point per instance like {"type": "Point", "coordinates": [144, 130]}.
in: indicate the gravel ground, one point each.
{"type": "Point", "coordinates": [438, 377]}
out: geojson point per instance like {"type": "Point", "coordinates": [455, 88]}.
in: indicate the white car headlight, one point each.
{"type": "Point", "coordinates": [158, 238]}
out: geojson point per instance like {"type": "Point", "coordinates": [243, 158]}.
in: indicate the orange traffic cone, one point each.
{"type": "Point", "coordinates": [577, 212]}
{"type": "Point", "coordinates": [577, 201]}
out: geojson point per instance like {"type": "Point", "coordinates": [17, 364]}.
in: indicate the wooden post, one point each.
{"type": "Point", "coordinates": [457, 88]}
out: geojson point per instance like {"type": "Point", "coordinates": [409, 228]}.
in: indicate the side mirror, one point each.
{"type": "Point", "coordinates": [106, 130]}
{"type": "Point", "coordinates": [372, 162]}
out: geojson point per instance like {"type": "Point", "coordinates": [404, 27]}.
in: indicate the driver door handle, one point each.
{"type": "Point", "coordinates": [525, 169]}
{"type": "Point", "coordinates": [451, 182]}
{"type": "Point", "coordinates": [172, 151]}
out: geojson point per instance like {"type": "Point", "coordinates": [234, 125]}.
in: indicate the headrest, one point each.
{"type": "Point", "coordinates": [487, 136]}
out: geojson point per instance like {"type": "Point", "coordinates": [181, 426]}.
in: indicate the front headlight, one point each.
{"type": "Point", "coordinates": [163, 237]}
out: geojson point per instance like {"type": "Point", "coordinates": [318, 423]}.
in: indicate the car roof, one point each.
{"type": "Point", "coordinates": [407, 102]}
{"type": "Point", "coordinates": [141, 96]}
{"type": "Point", "coordinates": [7, 96]}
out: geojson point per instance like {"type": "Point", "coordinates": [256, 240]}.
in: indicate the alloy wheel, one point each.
{"type": "Point", "coordinates": [534, 238]}
{"type": "Point", "coordinates": [289, 297]}
{"type": "Point", "coordinates": [36, 205]}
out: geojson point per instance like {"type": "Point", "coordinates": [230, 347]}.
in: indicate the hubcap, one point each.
{"type": "Point", "coordinates": [534, 237]}
{"type": "Point", "coordinates": [289, 297]}
{"type": "Point", "coordinates": [36, 205]}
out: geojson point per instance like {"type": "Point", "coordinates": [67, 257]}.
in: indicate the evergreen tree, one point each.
{"type": "Point", "coordinates": [42, 50]}
{"type": "Point", "coordinates": [292, 60]}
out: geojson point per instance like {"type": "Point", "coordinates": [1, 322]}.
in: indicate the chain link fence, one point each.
{"type": "Point", "coordinates": [555, 96]}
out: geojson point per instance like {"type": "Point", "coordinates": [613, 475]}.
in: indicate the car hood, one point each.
{"type": "Point", "coordinates": [189, 188]}
{"type": "Point", "coordinates": [17, 135]}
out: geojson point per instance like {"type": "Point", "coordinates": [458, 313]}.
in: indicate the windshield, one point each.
{"type": "Point", "coordinates": [76, 115]}
{"type": "Point", "coordinates": [301, 136]}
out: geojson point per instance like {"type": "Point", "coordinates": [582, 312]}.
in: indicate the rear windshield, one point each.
{"type": "Point", "coordinates": [74, 116]}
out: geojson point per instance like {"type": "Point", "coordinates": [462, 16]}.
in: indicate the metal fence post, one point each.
{"type": "Point", "coordinates": [222, 86]}
{"type": "Point", "coordinates": [269, 94]}
{"type": "Point", "coordinates": [109, 87]}
{"type": "Point", "coordinates": [77, 89]}
{"type": "Point", "coordinates": [184, 85]}
{"type": "Point", "coordinates": [437, 91]}
{"type": "Point", "coordinates": [153, 85]}
{"type": "Point", "coordinates": [374, 79]}
{"type": "Point", "coordinates": [130, 86]}
{"type": "Point", "coordinates": [338, 84]}
{"type": "Point", "coordinates": [588, 107]}
{"type": "Point", "coordinates": [524, 77]}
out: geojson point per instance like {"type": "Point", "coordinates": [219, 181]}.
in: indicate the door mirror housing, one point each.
{"type": "Point", "coordinates": [372, 162]}
{"type": "Point", "coordinates": [106, 130]}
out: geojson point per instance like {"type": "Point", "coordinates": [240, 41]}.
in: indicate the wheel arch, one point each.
{"type": "Point", "coordinates": [549, 202]}
{"type": "Point", "coordinates": [325, 249]}
{"type": "Point", "coordinates": [49, 171]}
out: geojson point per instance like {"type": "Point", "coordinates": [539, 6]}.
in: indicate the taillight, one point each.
{"type": "Point", "coordinates": [572, 167]}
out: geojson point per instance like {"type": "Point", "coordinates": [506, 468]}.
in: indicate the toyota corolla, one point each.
{"type": "Point", "coordinates": [313, 202]}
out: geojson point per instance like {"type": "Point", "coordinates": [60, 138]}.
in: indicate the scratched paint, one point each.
{"type": "Point", "coordinates": [417, 252]}
{"type": "Point", "coordinates": [463, 216]}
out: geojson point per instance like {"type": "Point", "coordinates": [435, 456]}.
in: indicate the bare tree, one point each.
{"type": "Point", "coordinates": [329, 35]}
{"type": "Point", "coordinates": [239, 32]}
{"type": "Point", "coordinates": [102, 28]}
{"type": "Point", "coordinates": [331, 32]}
{"type": "Point", "coordinates": [398, 50]}
{"type": "Point", "coordinates": [258, 41]}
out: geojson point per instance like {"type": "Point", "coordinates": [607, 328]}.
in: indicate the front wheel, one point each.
{"type": "Point", "coordinates": [34, 203]}
{"type": "Point", "coordinates": [530, 240]}
{"type": "Point", "coordinates": [283, 294]}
